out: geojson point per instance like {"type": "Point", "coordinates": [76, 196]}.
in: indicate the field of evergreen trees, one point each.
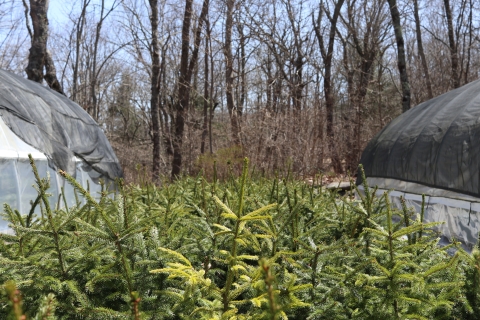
{"type": "Point", "coordinates": [244, 248]}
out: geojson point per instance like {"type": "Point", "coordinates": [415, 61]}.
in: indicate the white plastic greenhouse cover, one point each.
{"type": "Point", "coordinates": [459, 212]}
{"type": "Point", "coordinates": [58, 134]}
{"type": "Point", "coordinates": [17, 178]}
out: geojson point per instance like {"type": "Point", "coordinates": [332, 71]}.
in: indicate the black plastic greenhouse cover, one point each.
{"type": "Point", "coordinates": [436, 144]}
{"type": "Point", "coordinates": [55, 125]}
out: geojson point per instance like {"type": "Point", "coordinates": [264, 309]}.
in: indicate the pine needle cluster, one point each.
{"type": "Point", "coordinates": [246, 248]}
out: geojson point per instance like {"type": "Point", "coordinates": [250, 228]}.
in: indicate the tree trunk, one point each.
{"type": "Point", "coordinates": [213, 105]}
{"type": "Point", "coordinates": [354, 145]}
{"type": "Point", "coordinates": [155, 91]}
{"type": "Point", "coordinates": [470, 43]}
{"type": "Point", "coordinates": [421, 52]}
{"type": "Point", "coordinates": [51, 74]}
{"type": "Point", "coordinates": [206, 96]}
{"type": "Point", "coordinates": [232, 110]}
{"type": "Point", "coordinates": [94, 75]}
{"type": "Point", "coordinates": [78, 42]}
{"type": "Point", "coordinates": [36, 58]}
{"type": "Point", "coordinates": [207, 89]}
{"type": "Point", "coordinates": [183, 91]}
{"type": "Point", "coordinates": [298, 62]}
{"type": "Point", "coordinates": [242, 63]}
{"type": "Point", "coordinates": [39, 57]}
{"type": "Point", "coordinates": [327, 55]}
{"type": "Point", "coordinates": [402, 63]}
{"type": "Point", "coordinates": [452, 44]}
{"type": "Point", "coordinates": [186, 71]}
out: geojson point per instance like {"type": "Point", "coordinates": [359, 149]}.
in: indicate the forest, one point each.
{"type": "Point", "coordinates": [179, 85]}
{"type": "Point", "coordinates": [228, 117]}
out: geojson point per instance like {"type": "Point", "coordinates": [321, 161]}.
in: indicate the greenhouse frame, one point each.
{"type": "Point", "coordinates": [58, 134]}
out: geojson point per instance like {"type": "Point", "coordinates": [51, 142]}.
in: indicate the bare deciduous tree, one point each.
{"type": "Point", "coordinates": [452, 44]}
{"type": "Point", "coordinates": [79, 38]}
{"type": "Point", "coordinates": [327, 56]}
{"type": "Point", "coordinates": [366, 34]}
{"type": "Point", "coordinates": [39, 57]}
{"type": "Point", "coordinates": [155, 90]}
{"type": "Point", "coordinates": [280, 96]}
{"type": "Point", "coordinates": [229, 77]}
{"type": "Point", "coordinates": [96, 69]}
{"type": "Point", "coordinates": [401, 59]}
{"type": "Point", "coordinates": [187, 66]}
{"type": "Point", "coordinates": [421, 52]}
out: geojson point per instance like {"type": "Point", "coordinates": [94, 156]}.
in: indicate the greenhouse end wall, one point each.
{"type": "Point", "coordinates": [17, 179]}
{"type": "Point", "coordinates": [459, 213]}
{"type": "Point", "coordinates": [17, 186]}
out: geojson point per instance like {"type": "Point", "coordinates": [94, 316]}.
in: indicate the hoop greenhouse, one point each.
{"type": "Point", "coordinates": [434, 149]}
{"type": "Point", "coordinates": [58, 134]}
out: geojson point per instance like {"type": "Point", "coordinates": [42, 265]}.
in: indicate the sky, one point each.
{"type": "Point", "coordinates": [58, 10]}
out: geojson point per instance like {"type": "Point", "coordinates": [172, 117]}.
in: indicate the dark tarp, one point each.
{"type": "Point", "coordinates": [436, 143]}
{"type": "Point", "coordinates": [55, 125]}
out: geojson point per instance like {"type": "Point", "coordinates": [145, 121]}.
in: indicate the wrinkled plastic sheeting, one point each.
{"type": "Point", "coordinates": [17, 186]}
{"type": "Point", "coordinates": [461, 217]}
{"type": "Point", "coordinates": [55, 125]}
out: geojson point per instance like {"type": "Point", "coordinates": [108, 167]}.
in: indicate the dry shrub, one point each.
{"type": "Point", "coordinates": [221, 164]}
